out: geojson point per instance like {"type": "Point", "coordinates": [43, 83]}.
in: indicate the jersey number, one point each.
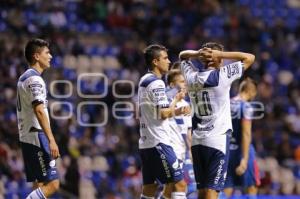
{"type": "Point", "coordinates": [19, 107]}
{"type": "Point", "coordinates": [204, 105]}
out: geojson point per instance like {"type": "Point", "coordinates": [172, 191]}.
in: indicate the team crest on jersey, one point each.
{"type": "Point", "coordinates": [36, 90]}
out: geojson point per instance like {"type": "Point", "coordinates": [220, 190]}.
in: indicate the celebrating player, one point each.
{"type": "Point", "coordinates": [37, 141]}
{"type": "Point", "coordinates": [242, 168]}
{"type": "Point", "coordinates": [209, 94]}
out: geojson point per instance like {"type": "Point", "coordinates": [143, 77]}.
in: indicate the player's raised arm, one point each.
{"type": "Point", "coordinates": [246, 58]}
{"type": "Point", "coordinates": [203, 53]}
{"type": "Point", "coordinates": [187, 54]}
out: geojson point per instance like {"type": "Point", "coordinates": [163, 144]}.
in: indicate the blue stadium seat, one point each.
{"type": "Point", "coordinates": [57, 62]}
{"type": "Point", "coordinates": [96, 28]}
{"type": "Point", "coordinates": [69, 74]}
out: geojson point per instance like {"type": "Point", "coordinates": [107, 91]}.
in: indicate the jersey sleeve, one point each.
{"type": "Point", "coordinates": [157, 94]}
{"type": "Point", "coordinates": [35, 88]}
{"type": "Point", "coordinates": [231, 72]}
{"type": "Point", "coordinates": [192, 75]}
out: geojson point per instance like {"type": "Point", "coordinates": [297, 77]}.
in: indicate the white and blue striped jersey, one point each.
{"type": "Point", "coordinates": [31, 89]}
{"type": "Point", "coordinates": [209, 94]}
{"type": "Point", "coordinates": [180, 126]}
{"type": "Point", "coordinates": [151, 97]}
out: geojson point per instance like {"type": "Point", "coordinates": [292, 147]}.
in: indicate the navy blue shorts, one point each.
{"type": "Point", "coordinates": [251, 175]}
{"type": "Point", "coordinates": [210, 167]}
{"type": "Point", "coordinates": [39, 166]}
{"type": "Point", "coordinates": [160, 163]}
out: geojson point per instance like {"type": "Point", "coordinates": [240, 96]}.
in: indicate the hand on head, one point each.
{"type": "Point", "coordinates": [209, 56]}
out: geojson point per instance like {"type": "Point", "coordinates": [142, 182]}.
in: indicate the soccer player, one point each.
{"type": "Point", "coordinates": [242, 168]}
{"type": "Point", "coordinates": [209, 94]}
{"type": "Point", "coordinates": [37, 141]}
{"type": "Point", "coordinates": [181, 131]}
{"type": "Point", "coordinates": [159, 162]}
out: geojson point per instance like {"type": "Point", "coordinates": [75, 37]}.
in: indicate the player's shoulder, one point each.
{"type": "Point", "coordinates": [150, 79]}
{"type": "Point", "coordinates": [240, 101]}
{"type": "Point", "coordinates": [31, 75]}
{"type": "Point", "coordinates": [245, 106]}
{"type": "Point", "coordinates": [34, 81]}
{"type": "Point", "coordinates": [237, 101]}
{"type": "Point", "coordinates": [232, 68]}
{"type": "Point", "coordinates": [233, 64]}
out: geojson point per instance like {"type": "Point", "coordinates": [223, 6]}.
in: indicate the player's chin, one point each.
{"type": "Point", "coordinates": [165, 71]}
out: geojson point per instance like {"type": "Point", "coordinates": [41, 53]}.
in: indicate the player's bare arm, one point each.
{"type": "Point", "coordinates": [43, 121]}
{"type": "Point", "coordinates": [189, 142]}
{"type": "Point", "coordinates": [246, 140]}
{"type": "Point", "coordinates": [172, 110]}
{"type": "Point", "coordinates": [246, 58]}
{"type": "Point", "coordinates": [187, 54]}
{"type": "Point", "coordinates": [203, 53]}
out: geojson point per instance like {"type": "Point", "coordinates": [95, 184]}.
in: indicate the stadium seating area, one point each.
{"type": "Point", "coordinates": [107, 38]}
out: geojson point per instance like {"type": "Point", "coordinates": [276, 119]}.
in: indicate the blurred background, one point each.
{"type": "Point", "coordinates": [107, 37]}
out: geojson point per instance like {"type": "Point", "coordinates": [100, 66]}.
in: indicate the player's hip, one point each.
{"type": "Point", "coordinates": [219, 142]}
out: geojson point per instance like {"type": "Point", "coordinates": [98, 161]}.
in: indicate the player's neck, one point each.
{"type": "Point", "coordinates": [37, 68]}
{"type": "Point", "coordinates": [156, 72]}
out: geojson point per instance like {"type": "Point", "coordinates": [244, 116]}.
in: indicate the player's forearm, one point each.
{"type": "Point", "coordinates": [44, 123]}
{"type": "Point", "coordinates": [173, 111]}
{"type": "Point", "coordinates": [246, 58]}
{"type": "Point", "coordinates": [187, 54]}
{"type": "Point", "coordinates": [246, 140]}
{"type": "Point", "coordinates": [189, 138]}
{"type": "Point", "coordinates": [189, 142]}
{"type": "Point", "coordinates": [168, 112]}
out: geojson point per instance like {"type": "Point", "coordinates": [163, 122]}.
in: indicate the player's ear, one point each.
{"type": "Point", "coordinates": [36, 57]}
{"type": "Point", "coordinates": [155, 61]}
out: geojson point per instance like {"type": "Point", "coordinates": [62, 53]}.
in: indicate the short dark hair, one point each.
{"type": "Point", "coordinates": [34, 46]}
{"type": "Point", "coordinates": [172, 74]}
{"type": "Point", "coordinates": [214, 46]}
{"type": "Point", "coordinates": [152, 52]}
{"type": "Point", "coordinates": [246, 83]}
